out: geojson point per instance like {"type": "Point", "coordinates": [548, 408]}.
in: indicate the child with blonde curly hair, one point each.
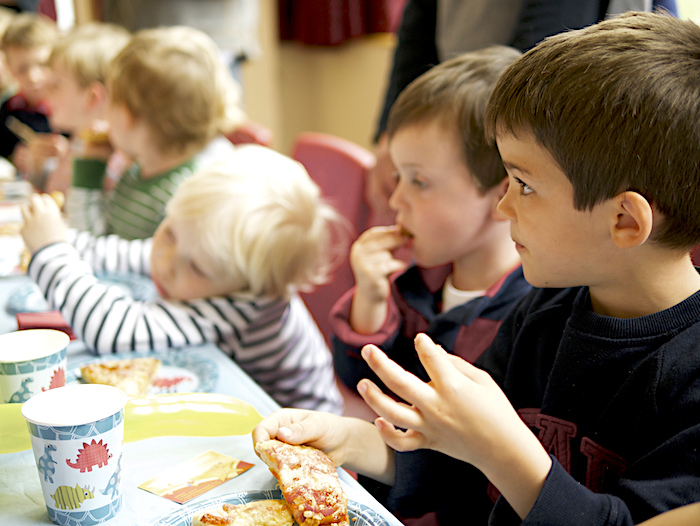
{"type": "Point", "coordinates": [238, 241]}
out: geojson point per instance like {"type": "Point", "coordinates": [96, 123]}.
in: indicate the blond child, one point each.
{"type": "Point", "coordinates": [8, 86]}
{"type": "Point", "coordinates": [78, 97]}
{"type": "Point", "coordinates": [170, 98]}
{"type": "Point", "coordinates": [467, 272]}
{"type": "Point", "coordinates": [585, 410]}
{"type": "Point", "coordinates": [237, 243]}
{"type": "Point", "coordinates": [26, 137]}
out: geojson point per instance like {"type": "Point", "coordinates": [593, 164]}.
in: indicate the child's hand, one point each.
{"type": "Point", "coordinates": [372, 261]}
{"type": "Point", "coordinates": [461, 412]}
{"type": "Point", "coordinates": [45, 146]}
{"type": "Point", "coordinates": [324, 431]}
{"type": "Point", "coordinates": [349, 442]}
{"type": "Point", "coordinates": [372, 264]}
{"type": "Point", "coordinates": [43, 223]}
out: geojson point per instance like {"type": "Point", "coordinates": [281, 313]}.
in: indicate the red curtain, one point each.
{"type": "Point", "coordinates": [332, 22]}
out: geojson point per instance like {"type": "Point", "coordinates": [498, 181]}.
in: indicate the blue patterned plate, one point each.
{"type": "Point", "coordinates": [360, 515]}
{"type": "Point", "coordinates": [180, 372]}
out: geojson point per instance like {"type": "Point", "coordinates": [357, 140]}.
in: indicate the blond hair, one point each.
{"type": "Point", "coordinates": [29, 30]}
{"type": "Point", "coordinates": [262, 222]}
{"type": "Point", "coordinates": [6, 16]}
{"type": "Point", "coordinates": [86, 51]}
{"type": "Point", "coordinates": [174, 80]}
{"type": "Point", "coordinates": [617, 105]}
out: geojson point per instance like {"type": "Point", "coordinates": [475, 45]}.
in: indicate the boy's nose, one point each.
{"type": "Point", "coordinates": [36, 75]}
{"type": "Point", "coordinates": [505, 205]}
{"type": "Point", "coordinates": [396, 199]}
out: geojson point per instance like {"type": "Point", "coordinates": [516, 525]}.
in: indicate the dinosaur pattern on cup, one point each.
{"type": "Point", "coordinates": [71, 498]}
{"type": "Point", "coordinates": [46, 464]}
{"type": "Point", "coordinates": [23, 394]}
{"type": "Point", "coordinates": [92, 454]}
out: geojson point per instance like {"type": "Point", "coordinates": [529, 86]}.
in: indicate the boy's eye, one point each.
{"type": "Point", "coordinates": [419, 183]}
{"type": "Point", "coordinates": [525, 189]}
{"type": "Point", "coordinates": [198, 271]}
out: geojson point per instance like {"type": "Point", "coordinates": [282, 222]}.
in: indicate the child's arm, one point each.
{"type": "Point", "coordinates": [372, 264]}
{"type": "Point", "coordinates": [350, 442]}
{"type": "Point", "coordinates": [463, 413]}
{"type": "Point", "coordinates": [38, 157]}
{"type": "Point", "coordinates": [43, 225]}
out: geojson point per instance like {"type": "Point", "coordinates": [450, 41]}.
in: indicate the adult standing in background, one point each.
{"type": "Point", "coordinates": [435, 30]}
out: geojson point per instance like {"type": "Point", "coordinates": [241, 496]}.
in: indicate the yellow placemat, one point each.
{"type": "Point", "coordinates": [177, 414]}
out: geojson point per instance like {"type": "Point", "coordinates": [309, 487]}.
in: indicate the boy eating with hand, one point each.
{"type": "Point", "coordinates": [586, 408]}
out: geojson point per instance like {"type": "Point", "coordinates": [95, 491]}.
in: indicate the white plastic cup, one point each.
{"type": "Point", "coordinates": [77, 435]}
{"type": "Point", "coordinates": [31, 361]}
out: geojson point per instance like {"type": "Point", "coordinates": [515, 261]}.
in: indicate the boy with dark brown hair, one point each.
{"type": "Point", "coordinates": [586, 408]}
{"type": "Point", "coordinates": [467, 272]}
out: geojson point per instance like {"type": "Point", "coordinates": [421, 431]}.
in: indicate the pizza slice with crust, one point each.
{"type": "Point", "coordinates": [133, 376]}
{"type": "Point", "coordinates": [309, 482]}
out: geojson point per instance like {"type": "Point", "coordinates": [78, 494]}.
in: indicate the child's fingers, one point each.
{"type": "Point", "coordinates": [439, 364]}
{"type": "Point", "coordinates": [396, 378]}
{"type": "Point", "coordinates": [398, 439]}
{"type": "Point", "coordinates": [398, 413]}
{"type": "Point", "coordinates": [382, 238]}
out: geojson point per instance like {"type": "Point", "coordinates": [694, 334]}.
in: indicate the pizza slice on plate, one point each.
{"type": "Point", "coordinates": [255, 513]}
{"type": "Point", "coordinates": [309, 482]}
{"type": "Point", "coordinates": [133, 376]}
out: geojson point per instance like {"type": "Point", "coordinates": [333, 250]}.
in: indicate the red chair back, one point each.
{"type": "Point", "coordinates": [339, 167]}
{"type": "Point", "coordinates": [251, 133]}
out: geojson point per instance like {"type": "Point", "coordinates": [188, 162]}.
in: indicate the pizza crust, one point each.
{"type": "Point", "coordinates": [255, 513]}
{"type": "Point", "coordinates": [133, 376]}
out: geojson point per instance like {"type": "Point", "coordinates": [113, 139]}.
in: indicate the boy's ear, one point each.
{"type": "Point", "coordinates": [497, 193]}
{"type": "Point", "coordinates": [97, 94]}
{"type": "Point", "coordinates": [632, 219]}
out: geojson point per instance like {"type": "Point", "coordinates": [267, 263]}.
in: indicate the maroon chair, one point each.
{"type": "Point", "coordinates": [251, 133]}
{"type": "Point", "coordinates": [339, 167]}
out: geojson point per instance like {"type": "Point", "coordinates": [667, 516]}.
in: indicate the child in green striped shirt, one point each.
{"type": "Point", "coordinates": [170, 99]}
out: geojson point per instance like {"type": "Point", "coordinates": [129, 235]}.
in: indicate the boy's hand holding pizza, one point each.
{"type": "Point", "coordinates": [349, 442]}
{"type": "Point", "coordinates": [461, 412]}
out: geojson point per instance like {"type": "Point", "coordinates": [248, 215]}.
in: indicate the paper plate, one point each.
{"type": "Point", "coordinates": [180, 372]}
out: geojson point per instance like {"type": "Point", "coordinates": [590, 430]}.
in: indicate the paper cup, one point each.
{"type": "Point", "coordinates": [77, 435]}
{"type": "Point", "coordinates": [31, 361]}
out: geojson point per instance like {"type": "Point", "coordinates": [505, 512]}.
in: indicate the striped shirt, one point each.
{"type": "Point", "coordinates": [274, 340]}
{"type": "Point", "coordinates": [137, 205]}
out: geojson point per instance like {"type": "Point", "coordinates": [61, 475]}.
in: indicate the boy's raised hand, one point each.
{"type": "Point", "coordinates": [43, 223]}
{"type": "Point", "coordinates": [373, 262]}
{"type": "Point", "coordinates": [461, 412]}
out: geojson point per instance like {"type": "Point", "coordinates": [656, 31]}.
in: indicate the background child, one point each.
{"type": "Point", "coordinates": [8, 86]}
{"type": "Point", "coordinates": [169, 97]}
{"type": "Point", "coordinates": [467, 273]}
{"type": "Point", "coordinates": [26, 44]}
{"type": "Point", "coordinates": [237, 243]}
{"type": "Point", "coordinates": [598, 131]}
{"type": "Point", "coordinates": [78, 96]}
